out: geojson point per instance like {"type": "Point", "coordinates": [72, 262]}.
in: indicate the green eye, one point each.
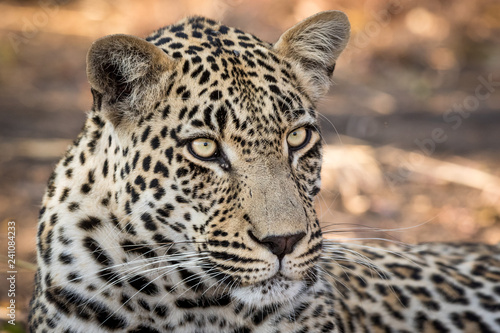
{"type": "Point", "coordinates": [298, 138]}
{"type": "Point", "coordinates": [203, 148]}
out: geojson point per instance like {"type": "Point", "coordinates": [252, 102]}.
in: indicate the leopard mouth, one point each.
{"type": "Point", "coordinates": [278, 289]}
{"type": "Point", "coordinates": [235, 271]}
{"type": "Point", "coordinates": [310, 277]}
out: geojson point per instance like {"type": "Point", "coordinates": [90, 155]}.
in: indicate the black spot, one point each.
{"type": "Point", "coordinates": [166, 112]}
{"type": "Point", "coordinates": [97, 252]}
{"type": "Point", "coordinates": [86, 188]}
{"type": "Point", "coordinates": [105, 168]}
{"type": "Point", "coordinates": [169, 153]}
{"type": "Point", "coordinates": [197, 71]}
{"type": "Point", "coordinates": [197, 123]}
{"type": "Point", "coordinates": [155, 142]}
{"type": "Point", "coordinates": [260, 315]}
{"type": "Point", "coordinates": [138, 248]}
{"type": "Point", "coordinates": [165, 210]}
{"type": "Point", "coordinates": [82, 158]}
{"type": "Point", "coordinates": [181, 172]}
{"type": "Point", "coordinates": [42, 211]}
{"type": "Point", "coordinates": [60, 304]}
{"type": "Point", "coordinates": [205, 77]}
{"type": "Point", "coordinates": [184, 303]}
{"type": "Point", "coordinates": [328, 327]}
{"type": "Point", "coordinates": [269, 78]}
{"type": "Point", "coordinates": [68, 160]}
{"type": "Point", "coordinates": [185, 67]}
{"type": "Point", "coordinates": [69, 173]}
{"type": "Point", "coordinates": [53, 219]}
{"type": "Point", "coordinates": [180, 199]}
{"type": "Point", "coordinates": [139, 180]}
{"type": "Point", "coordinates": [275, 89]}
{"type": "Point", "coordinates": [144, 304]}
{"type": "Point", "coordinates": [89, 223]}
{"type": "Point", "coordinates": [142, 284]}
{"type": "Point", "coordinates": [207, 117]}
{"type": "Point", "coordinates": [161, 311]}
{"type": "Point", "coordinates": [148, 222]}
{"type": "Point", "coordinates": [182, 113]}
{"type": "Point", "coordinates": [175, 46]}
{"type": "Point", "coordinates": [177, 28]}
{"type": "Point", "coordinates": [127, 208]}
{"type": "Point", "coordinates": [196, 60]}
{"type": "Point", "coordinates": [145, 134]}
{"type": "Point", "coordinates": [216, 95]}
{"type": "Point", "coordinates": [74, 277]}
{"type": "Point", "coordinates": [73, 206]}
{"type": "Point", "coordinates": [160, 192]}
{"type": "Point", "coordinates": [162, 169]}
{"type": "Point", "coordinates": [65, 258]}
{"type": "Point", "coordinates": [154, 183]}
{"type": "Point", "coordinates": [51, 323]}
{"type": "Point", "coordinates": [202, 302]}
{"type": "Point", "coordinates": [146, 163]}
{"type": "Point", "coordinates": [162, 41]}
{"type": "Point", "coordinates": [143, 329]}
{"type": "Point", "coordinates": [221, 117]}
{"type": "Point", "coordinates": [64, 195]}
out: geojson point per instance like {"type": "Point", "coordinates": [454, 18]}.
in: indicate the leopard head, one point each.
{"type": "Point", "coordinates": [216, 152]}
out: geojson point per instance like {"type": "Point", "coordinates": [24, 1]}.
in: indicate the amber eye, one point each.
{"type": "Point", "coordinates": [298, 138]}
{"type": "Point", "coordinates": [203, 148]}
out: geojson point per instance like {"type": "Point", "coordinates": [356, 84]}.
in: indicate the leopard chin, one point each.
{"type": "Point", "coordinates": [276, 290]}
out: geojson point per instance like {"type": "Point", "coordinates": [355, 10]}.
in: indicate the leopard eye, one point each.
{"type": "Point", "coordinates": [203, 148]}
{"type": "Point", "coordinates": [298, 138]}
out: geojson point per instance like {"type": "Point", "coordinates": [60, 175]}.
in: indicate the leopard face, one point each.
{"type": "Point", "coordinates": [243, 158]}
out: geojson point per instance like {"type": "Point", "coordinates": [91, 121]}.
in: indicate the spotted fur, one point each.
{"type": "Point", "coordinates": [138, 233]}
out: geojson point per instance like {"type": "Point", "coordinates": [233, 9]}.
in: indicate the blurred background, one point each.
{"type": "Point", "coordinates": [412, 123]}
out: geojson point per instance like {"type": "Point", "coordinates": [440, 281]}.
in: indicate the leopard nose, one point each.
{"type": "Point", "coordinates": [279, 245]}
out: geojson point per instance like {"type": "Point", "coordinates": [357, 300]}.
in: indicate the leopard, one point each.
{"type": "Point", "coordinates": [186, 204]}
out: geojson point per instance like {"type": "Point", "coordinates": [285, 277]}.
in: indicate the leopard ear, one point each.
{"type": "Point", "coordinates": [125, 73]}
{"type": "Point", "coordinates": [315, 44]}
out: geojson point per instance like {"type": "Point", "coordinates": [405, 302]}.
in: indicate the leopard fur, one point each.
{"type": "Point", "coordinates": [185, 205]}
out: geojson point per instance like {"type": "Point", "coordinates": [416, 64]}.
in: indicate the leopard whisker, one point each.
{"type": "Point", "coordinates": [219, 281]}
{"type": "Point", "coordinates": [362, 259]}
{"type": "Point", "coordinates": [138, 291]}
{"type": "Point", "coordinates": [203, 279]}
{"type": "Point", "coordinates": [351, 240]}
{"type": "Point", "coordinates": [383, 274]}
{"type": "Point", "coordinates": [210, 276]}
{"type": "Point", "coordinates": [127, 275]}
{"type": "Point", "coordinates": [372, 228]}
